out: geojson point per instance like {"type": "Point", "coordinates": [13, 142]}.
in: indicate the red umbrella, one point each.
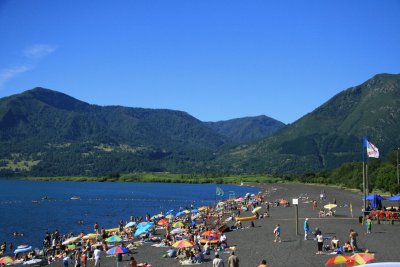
{"type": "Point", "coordinates": [283, 201]}
{"type": "Point", "coordinates": [163, 221]}
{"type": "Point", "coordinates": [211, 233]}
{"type": "Point", "coordinates": [338, 260]}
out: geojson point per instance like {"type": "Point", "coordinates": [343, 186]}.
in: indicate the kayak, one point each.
{"type": "Point", "coordinates": [250, 218]}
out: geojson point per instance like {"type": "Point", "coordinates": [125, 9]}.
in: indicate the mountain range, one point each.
{"type": "Point", "coordinates": [47, 133]}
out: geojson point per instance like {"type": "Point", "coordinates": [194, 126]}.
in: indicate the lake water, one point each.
{"type": "Point", "coordinates": [104, 203]}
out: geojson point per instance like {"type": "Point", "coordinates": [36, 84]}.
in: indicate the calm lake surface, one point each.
{"type": "Point", "coordinates": [23, 210]}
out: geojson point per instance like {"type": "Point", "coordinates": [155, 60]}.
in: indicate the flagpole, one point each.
{"type": "Point", "coordinates": [365, 196]}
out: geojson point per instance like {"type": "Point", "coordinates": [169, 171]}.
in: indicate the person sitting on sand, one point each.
{"type": "Point", "coordinates": [263, 263]}
{"type": "Point", "coordinates": [347, 247]}
{"type": "Point", "coordinates": [334, 243]}
{"type": "Point", "coordinates": [132, 262]}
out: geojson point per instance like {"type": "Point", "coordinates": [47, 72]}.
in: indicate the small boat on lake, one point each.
{"type": "Point", "coordinates": [75, 198]}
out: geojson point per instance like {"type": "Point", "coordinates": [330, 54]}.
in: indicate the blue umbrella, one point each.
{"type": "Point", "coordinates": [143, 228]}
{"type": "Point", "coordinates": [117, 250]}
{"type": "Point", "coordinates": [169, 212]}
{"type": "Point", "coordinates": [180, 214]}
{"type": "Point", "coordinates": [194, 211]}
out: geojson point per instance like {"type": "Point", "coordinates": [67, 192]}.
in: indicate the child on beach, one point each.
{"type": "Point", "coordinates": [277, 233]}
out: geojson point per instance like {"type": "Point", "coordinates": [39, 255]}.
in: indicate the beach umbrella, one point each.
{"type": "Point", "coordinates": [117, 250]}
{"type": "Point", "coordinates": [183, 244]}
{"type": "Point", "coordinates": [330, 206]}
{"type": "Point", "coordinates": [114, 238]}
{"type": "Point", "coordinates": [202, 208]}
{"type": "Point", "coordinates": [162, 221]}
{"type": "Point", "coordinates": [71, 247]}
{"type": "Point", "coordinates": [361, 258]}
{"type": "Point", "coordinates": [256, 210]}
{"type": "Point", "coordinates": [178, 225]}
{"type": "Point", "coordinates": [340, 259]}
{"type": "Point", "coordinates": [194, 211]}
{"type": "Point", "coordinates": [170, 216]}
{"type": "Point", "coordinates": [240, 199]}
{"type": "Point", "coordinates": [186, 211]}
{"type": "Point", "coordinates": [169, 212]}
{"type": "Point", "coordinates": [283, 201]}
{"type": "Point", "coordinates": [6, 260]}
{"type": "Point", "coordinates": [180, 214]}
{"type": "Point", "coordinates": [156, 217]}
{"type": "Point", "coordinates": [177, 231]}
{"type": "Point", "coordinates": [130, 224]}
{"type": "Point", "coordinates": [71, 240]}
{"type": "Point", "coordinates": [23, 248]}
{"type": "Point", "coordinates": [143, 228]}
{"type": "Point", "coordinates": [112, 230]}
{"type": "Point", "coordinates": [88, 236]}
{"type": "Point", "coordinates": [211, 233]}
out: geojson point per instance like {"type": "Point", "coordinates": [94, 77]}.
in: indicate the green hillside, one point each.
{"type": "Point", "coordinates": [328, 136]}
{"type": "Point", "coordinates": [44, 132]}
{"type": "Point", "coordinates": [246, 129]}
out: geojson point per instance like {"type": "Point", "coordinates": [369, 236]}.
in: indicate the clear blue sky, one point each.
{"type": "Point", "coordinates": [216, 60]}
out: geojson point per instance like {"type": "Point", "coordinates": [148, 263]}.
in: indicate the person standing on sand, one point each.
{"type": "Point", "coordinates": [306, 229]}
{"type": "Point", "coordinates": [233, 260]}
{"type": "Point", "coordinates": [217, 262]}
{"type": "Point", "coordinates": [97, 256]}
{"type": "Point", "coordinates": [277, 233]}
{"type": "Point", "coordinates": [353, 240]}
{"type": "Point", "coordinates": [368, 225]}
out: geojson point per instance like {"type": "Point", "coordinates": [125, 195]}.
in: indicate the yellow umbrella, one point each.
{"type": "Point", "coordinates": [330, 206]}
{"type": "Point", "coordinates": [88, 236]}
{"type": "Point", "coordinates": [71, 240]}
{"type": "Point", "coordinates": [112, 230]}
{"type": "Point", "coordinates": [256, 210]}
{"type": "Point", "coordinates": [183, 244]}
{"type": "Point", "coordinates": [178, 225]}
{"type": "Point", "coordinates": [170, 216]}
{"type": "Point", "coordinates": [186, 211]}
{"type": "Point", "coordinates": [362, 258]}
{"type": "Point", "coordinates": [202, 208]}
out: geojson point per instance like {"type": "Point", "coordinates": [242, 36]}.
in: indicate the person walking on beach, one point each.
{"type": "Point", "coordinates": [277, 233]}
{"type": "Point", "coordinates": [217, 262]}
{"type": "Point", "coordinates": [353, 240]}
{"type": "Point", "coordinates": [233, 260]}
{"type": "Point", "coordinates": [368, 225]}
{"type": "Point", "coordinates": [320, 242]}
{"type": "Point", "coordinates": [97, 256]}
{"type": "Point", "coordinates": [306, 229]}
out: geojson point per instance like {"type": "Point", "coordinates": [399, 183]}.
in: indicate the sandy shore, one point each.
{"type": "Point", "coordinates": [255, 244]}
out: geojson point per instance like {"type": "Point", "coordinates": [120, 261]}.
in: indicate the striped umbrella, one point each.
{"type": "Point", "coordinates": [117, 250]}
{"type": "Point", "coordinates": [6, 260]}
{"type": "Point", "coordinates": [338, 260]}
{"type": "Point", "coordinates": [361, 258]}
{"type": "Point", "coordinates": [183, 244]}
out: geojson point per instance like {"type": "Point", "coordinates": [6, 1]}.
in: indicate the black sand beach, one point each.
{"type": "Point", "coordinates": [256, 243]}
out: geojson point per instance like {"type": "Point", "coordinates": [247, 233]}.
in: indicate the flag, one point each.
{"type": "Point", "coordinates": [219, 191]}
{"type": "Point", "coordinates": [372, 150]}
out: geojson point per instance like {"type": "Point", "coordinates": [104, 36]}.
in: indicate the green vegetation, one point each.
{"type": "Point", "coordinates": [167, 178]}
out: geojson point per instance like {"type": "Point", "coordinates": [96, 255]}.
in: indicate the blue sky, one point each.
{"type": "Point", "coordinates": [216, 60]}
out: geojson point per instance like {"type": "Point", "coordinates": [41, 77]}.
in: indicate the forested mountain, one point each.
{"type": "Point", "coordinates": [47, 133]}
{"type": "Point", "coordinates": [328, 136]}
{"type": "Point", "coordinates": [246, 129]}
